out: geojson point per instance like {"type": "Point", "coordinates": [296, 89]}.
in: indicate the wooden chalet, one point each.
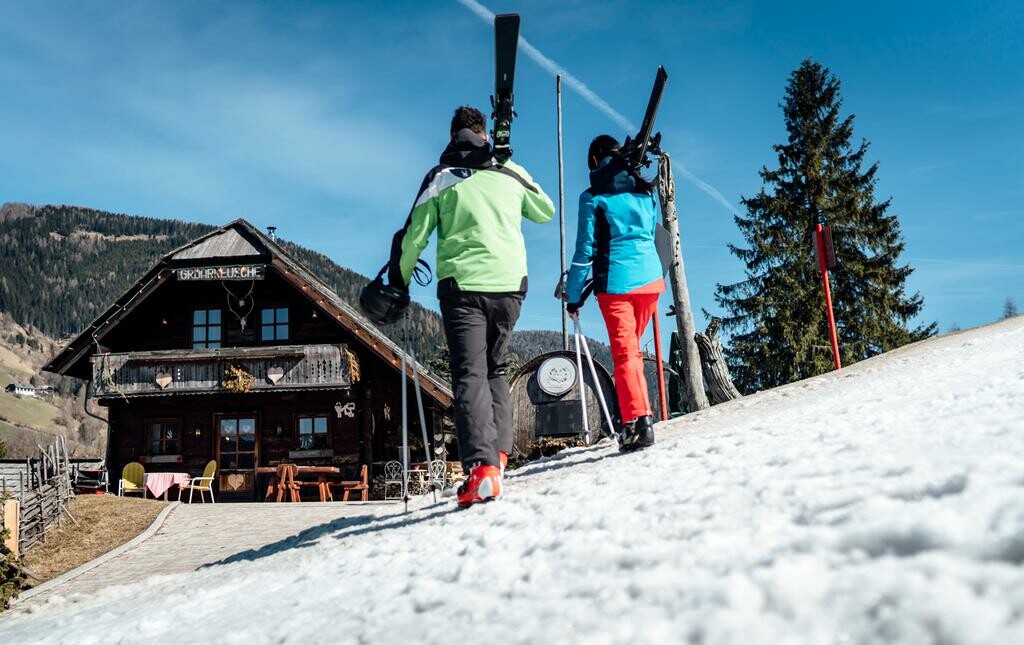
{"type": "Point", "coordinates": [230, 349]}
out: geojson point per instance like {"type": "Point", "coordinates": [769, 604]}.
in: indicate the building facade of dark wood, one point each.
{"type": "Point", "coordinates": [230, 349]}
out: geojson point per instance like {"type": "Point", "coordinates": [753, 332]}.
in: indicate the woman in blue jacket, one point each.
{"type": "Point", "coordinates": [615, 245]}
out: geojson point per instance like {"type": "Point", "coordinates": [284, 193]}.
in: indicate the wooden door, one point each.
{"type": "Point", "coordinates": [237, 452]}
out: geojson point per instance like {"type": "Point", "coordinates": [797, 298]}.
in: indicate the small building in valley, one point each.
{"type": "Point", "coordinates": [230, 349]}
{"type": "Point", "coordinates": [21, 389]}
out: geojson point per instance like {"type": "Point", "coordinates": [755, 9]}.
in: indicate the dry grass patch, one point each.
{"type": "Point", "coordinates": [105, 522]}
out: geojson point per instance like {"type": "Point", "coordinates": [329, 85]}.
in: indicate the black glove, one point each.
{"type": "Point", "coordinates": [573, 307]}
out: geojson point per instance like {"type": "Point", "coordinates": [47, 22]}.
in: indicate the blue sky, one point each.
{"type": "Point", "coordinates": [322, 117]}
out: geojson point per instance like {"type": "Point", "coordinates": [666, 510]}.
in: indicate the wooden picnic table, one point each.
{"type": "Point", "coordinates": [278, 488]}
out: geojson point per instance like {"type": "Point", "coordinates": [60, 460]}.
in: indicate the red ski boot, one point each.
{"type": "Point", "coordinates": [483, 485]}
{"type": "Point", "coordinates": [502, 462]}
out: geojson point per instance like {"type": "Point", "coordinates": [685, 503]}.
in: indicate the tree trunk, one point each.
{"type": "Point", "coordinates": [716, 372]}
{"type": "Point", "coordinates": [696, 399]}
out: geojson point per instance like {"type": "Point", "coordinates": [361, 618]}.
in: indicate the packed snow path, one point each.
{"type": "Point", "coordinates": [201, 535]}
{"type": "Point", "coordinates": [880, 504]}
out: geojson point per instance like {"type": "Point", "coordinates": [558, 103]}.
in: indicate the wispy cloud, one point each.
{"type": "Point", "coordinates": [555, 69]}
{"type": "Point", "coordinates": [707, 188]}
{"type": "Point", "coordinates": [592, 97]}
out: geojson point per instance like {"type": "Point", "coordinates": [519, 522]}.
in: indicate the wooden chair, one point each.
{"type": "Point", "coordinates": [202, 484]}
{"type": "Point", "coordinates": [362, 485]}
{"type": "Point", "coordinates": [131, 480]}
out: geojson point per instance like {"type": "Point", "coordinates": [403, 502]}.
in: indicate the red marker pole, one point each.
{"type": "Point", "coordinates": [662, 398]}
{"type": "Point", "coordinates": [819, 237]}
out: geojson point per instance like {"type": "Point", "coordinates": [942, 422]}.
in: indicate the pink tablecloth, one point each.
{"type": "Point", "coordinates": [158, 483]}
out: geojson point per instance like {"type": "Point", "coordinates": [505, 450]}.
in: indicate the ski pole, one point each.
{"type": "Point", "coordinates": [597, 383]}
{"type": "Point", "coordinates": [405, 436]}
{"type": "Point", "coordinates": [579, 378]}
{"type": "Point", "coordinates": [423, 422]}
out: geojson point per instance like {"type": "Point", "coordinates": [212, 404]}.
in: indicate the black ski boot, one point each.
{"type": "Point", "coordinates": [645, 431]}
{"type": "Point", "coordinates": [627, 437]}
{"type": "Point", "coordinates": [637, 434]}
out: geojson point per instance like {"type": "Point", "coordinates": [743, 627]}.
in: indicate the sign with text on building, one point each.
{"type": "Point", "coordinates": [237, 272]}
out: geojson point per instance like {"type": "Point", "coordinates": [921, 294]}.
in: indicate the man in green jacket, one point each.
{"type": "Point", "coordinates": [477, 206]}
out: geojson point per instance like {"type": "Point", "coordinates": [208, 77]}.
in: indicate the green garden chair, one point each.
{"type": "Point", "coordinates": [131, 480]}
{"type": "Point", "coordinates": [202, 484]}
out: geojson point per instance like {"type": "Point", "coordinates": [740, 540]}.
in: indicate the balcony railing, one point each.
{"type": "Point", "coordinates": [224, 370]}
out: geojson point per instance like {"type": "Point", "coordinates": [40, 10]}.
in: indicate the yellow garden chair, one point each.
{"type": "Point", "coordinates": [202, 484]}
{"type": "Point", "coordinates": [131, 480]}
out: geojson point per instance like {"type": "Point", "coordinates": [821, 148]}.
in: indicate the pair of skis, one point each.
{"type": "Point", "coordinates": [635, 149]}
{"type": "Point", "coordinates": [506, 41]}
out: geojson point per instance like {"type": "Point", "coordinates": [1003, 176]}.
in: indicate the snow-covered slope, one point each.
{"type": "Point", "coordinates": [881, 504]}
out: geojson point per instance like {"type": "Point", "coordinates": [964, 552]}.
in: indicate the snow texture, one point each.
{"type": "Point", "coordinates": [880, 504]}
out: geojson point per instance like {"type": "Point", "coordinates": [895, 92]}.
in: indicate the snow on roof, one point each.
{"type": "Point", "coordinates": [881, 503]}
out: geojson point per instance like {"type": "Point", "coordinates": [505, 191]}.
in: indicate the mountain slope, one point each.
{"type": "Point", "coordinates": [880, 503]}
{"type": "Point", "coordinates": [26, 422]}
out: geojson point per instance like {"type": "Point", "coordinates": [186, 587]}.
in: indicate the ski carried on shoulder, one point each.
{"type": "Point", "coordinates": [506, 41]}
{"type": "Point", "coordinates": [634, 150]}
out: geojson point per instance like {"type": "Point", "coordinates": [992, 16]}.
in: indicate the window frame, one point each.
{"type": "Point", "coordinates": [148, 423]}
{"type": "Point", "coordinates": [207, 342]}
{"type": "Point", "coordinates": [276, 324]}
{"type": "Point", "coordinates": [327, 434]}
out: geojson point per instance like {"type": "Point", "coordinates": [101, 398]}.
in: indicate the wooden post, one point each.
{"type": "Point", "coordinates": [716, 371]}
{"type": "Point", "coordinates": [660, 366]}
{"type": "Point", "coordinates": [12, 522]}
{"type": "Point", "coordinates": [693, 382]}
{"type": "Point", "coordinates": [366, 435]}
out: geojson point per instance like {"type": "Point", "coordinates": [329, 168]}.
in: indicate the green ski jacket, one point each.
{"type": "Point", "coordinates": [477, 208]}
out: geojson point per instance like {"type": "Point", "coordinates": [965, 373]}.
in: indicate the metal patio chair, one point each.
{"type": "Point", "coordinates": [393, 477]}
{"type": "Point", "coordinates": [202, 484]}
{"type": "Point", "coordinates": [131, 480]}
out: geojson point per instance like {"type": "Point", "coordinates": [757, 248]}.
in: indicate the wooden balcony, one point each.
{"type": "Point", "coordinates": [206, 371]}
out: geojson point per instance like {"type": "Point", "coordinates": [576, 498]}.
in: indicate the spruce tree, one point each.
{"type": "Point", "coordinates": [776, 316]}
{"type": "Point", "coordinates": [1009, 308]}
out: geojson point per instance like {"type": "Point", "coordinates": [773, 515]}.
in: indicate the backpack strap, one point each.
{"type": "Point", "coordinates": [514, 175]}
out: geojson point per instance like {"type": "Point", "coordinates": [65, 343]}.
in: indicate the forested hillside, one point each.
{"type": "Point", "coordinates": [26, 422]}
{"type": "Point", "coordinates": [527, 344]}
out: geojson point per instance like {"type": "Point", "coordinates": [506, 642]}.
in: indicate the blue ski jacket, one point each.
{"type": "Point", "coordinates": [615, 235]}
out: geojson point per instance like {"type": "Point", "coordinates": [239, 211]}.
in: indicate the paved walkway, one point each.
{"type": "Point", "coordinates": [192, 536]}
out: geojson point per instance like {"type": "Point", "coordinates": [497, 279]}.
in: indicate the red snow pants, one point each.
{"type": "Point", "coordinates": [626, 317]}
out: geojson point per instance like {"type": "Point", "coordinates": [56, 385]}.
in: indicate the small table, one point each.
{"type": "Point", "coordinates": [322, 478]}
{"type": "Point", "coordinates": [160, 483]}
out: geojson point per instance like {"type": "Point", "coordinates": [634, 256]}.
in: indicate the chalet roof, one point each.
{"type": "Point", "coordinates": [223, 243]}
{"type": "Point", "coordinates": [239, 239]}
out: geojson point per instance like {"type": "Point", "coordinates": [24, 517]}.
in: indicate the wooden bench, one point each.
{"type": "Point", "coordinates": [362, 485]}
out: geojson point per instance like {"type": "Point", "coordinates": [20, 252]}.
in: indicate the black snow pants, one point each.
{"type": "Point", "coordinates": [479, 327]}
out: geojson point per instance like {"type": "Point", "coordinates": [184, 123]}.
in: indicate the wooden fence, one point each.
{"type": "Point", "coordinates": [40, 499]}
